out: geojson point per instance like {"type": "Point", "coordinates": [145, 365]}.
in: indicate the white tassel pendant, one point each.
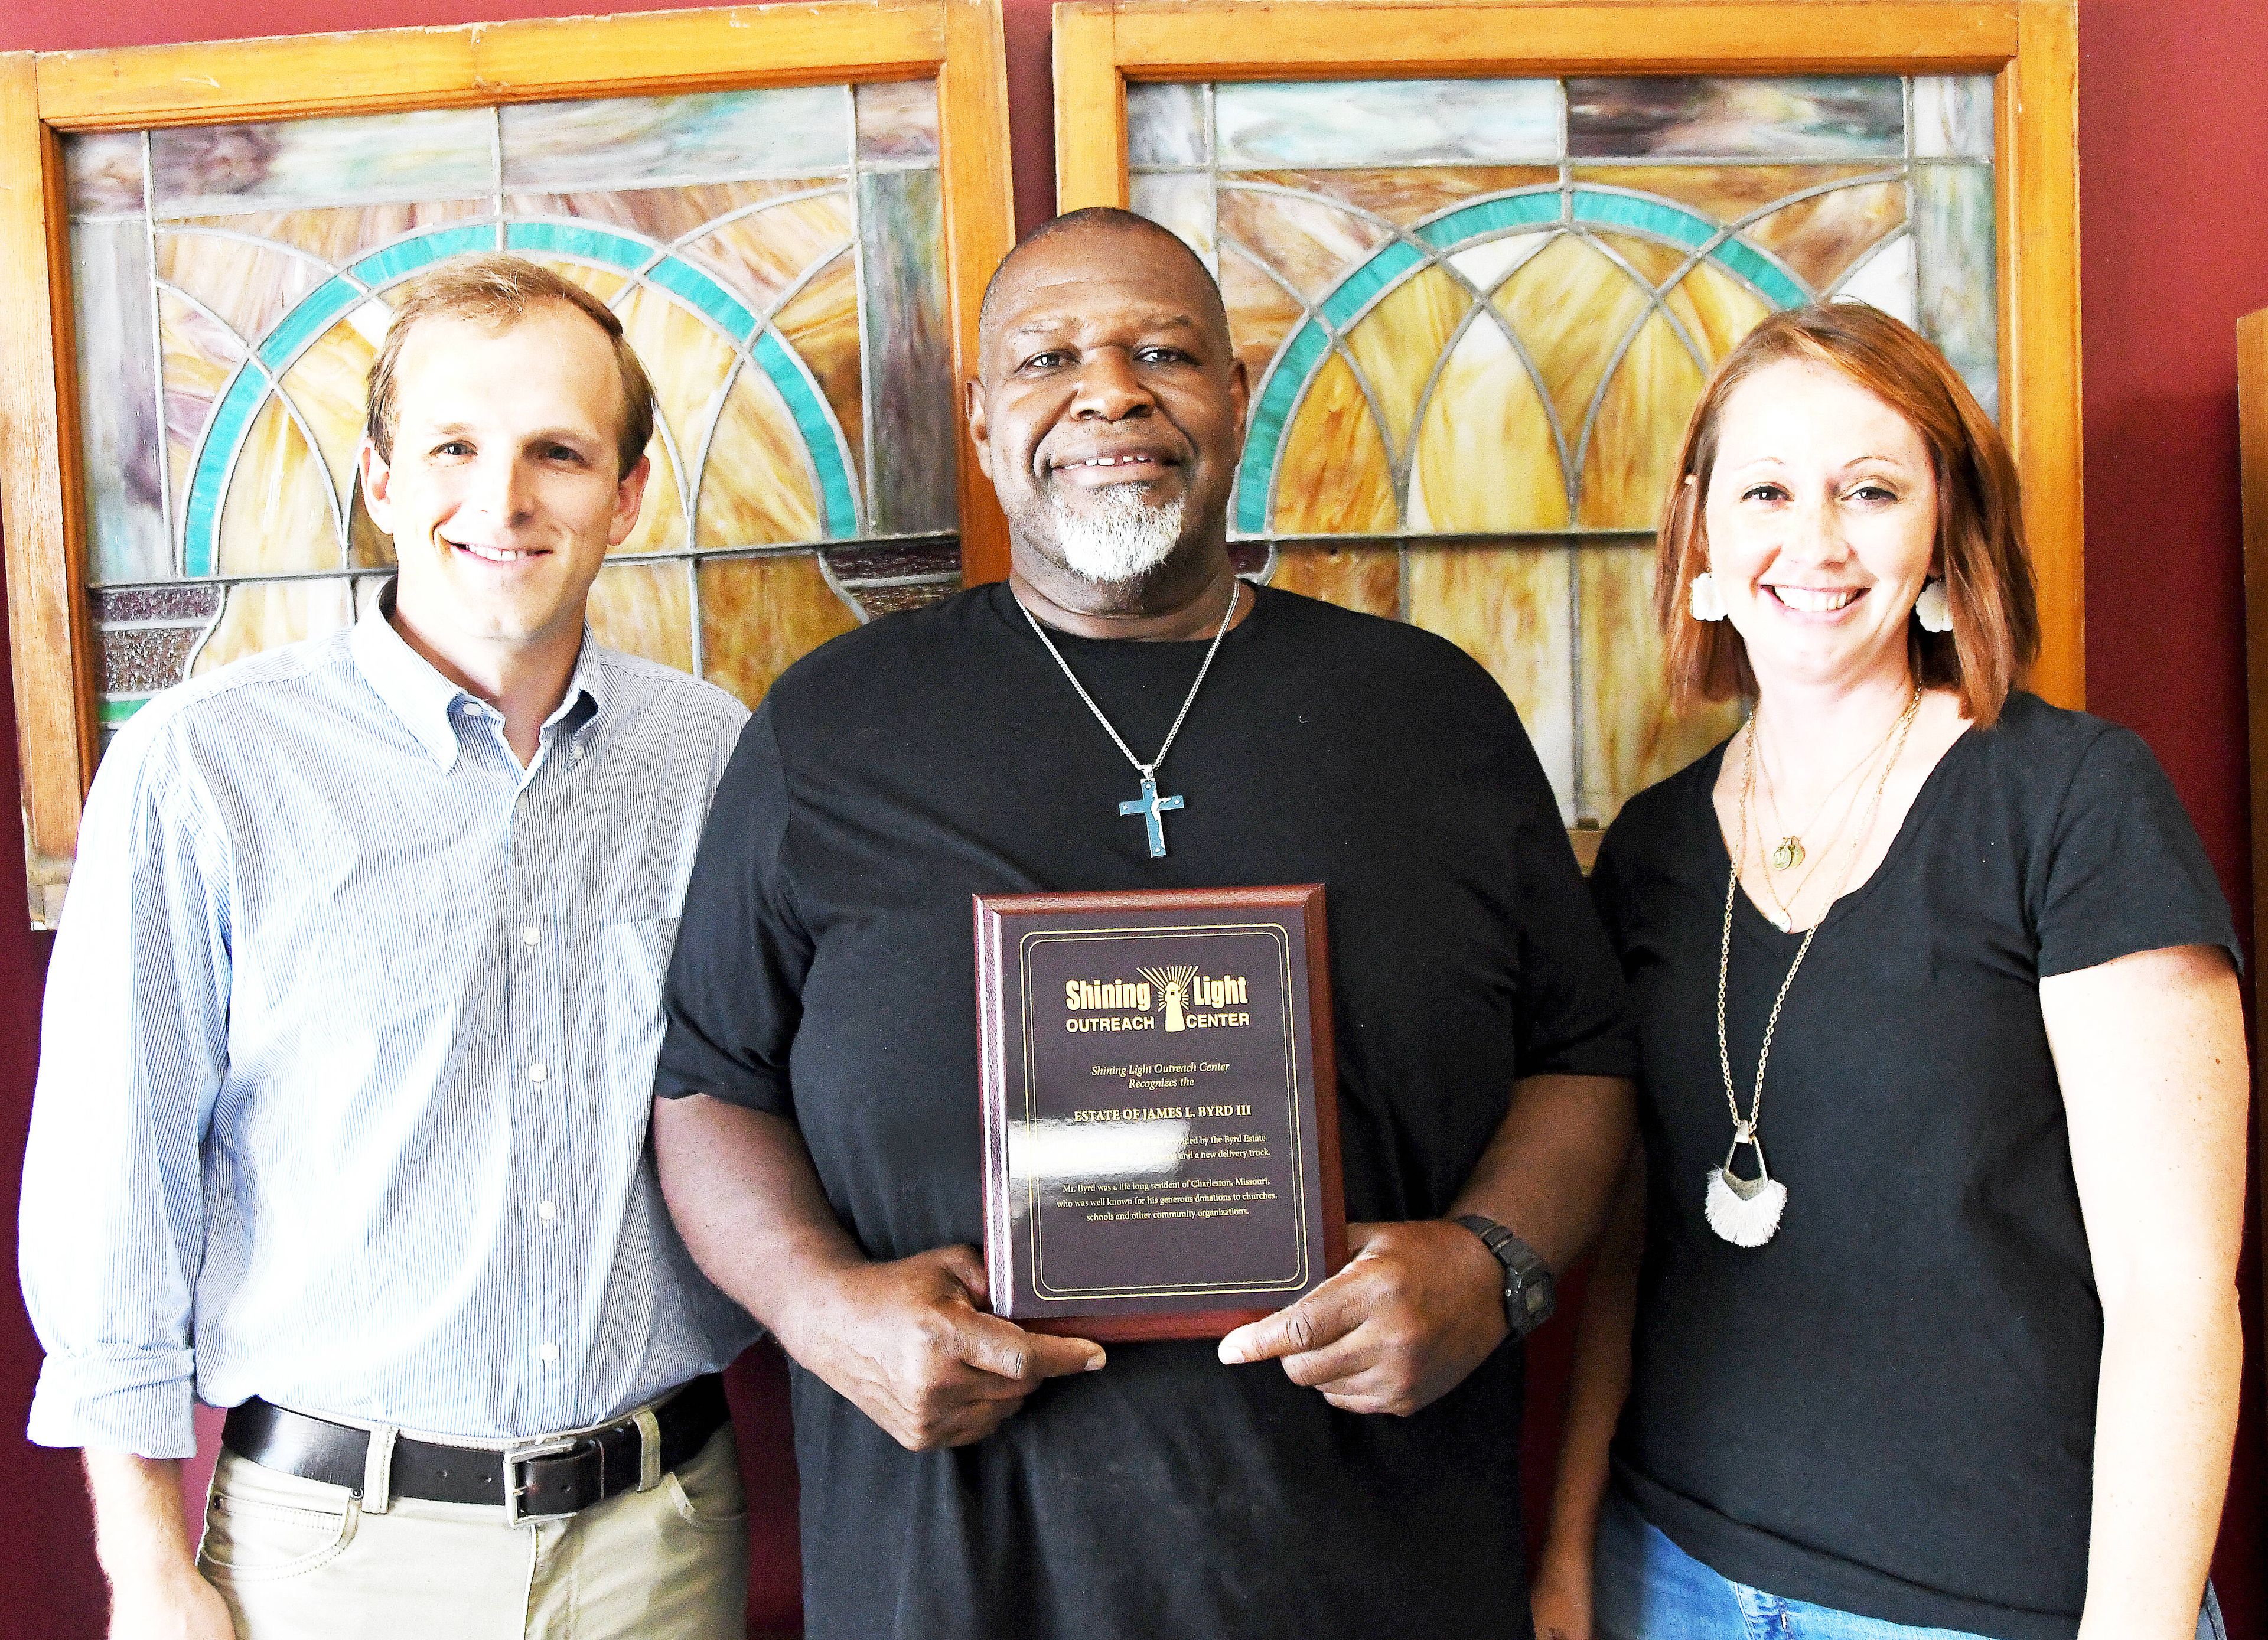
{"type": "Point", "coordinates": [1744, 1211]}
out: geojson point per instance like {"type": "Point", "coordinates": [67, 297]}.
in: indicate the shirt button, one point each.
{"type": "Point", "coordinates": [548, 1352]}
{"type": "Point", "coordinates": [575, 752]}
{"type": "Point", "coordinates": [536, 1073]}
{"type": "Point", "coordinates": [546, 1211]}
{"type": "Point", "coordinates": [531, 936]}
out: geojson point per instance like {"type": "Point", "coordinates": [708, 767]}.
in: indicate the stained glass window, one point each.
{"type": "Point", "coordinates": [775, 256]}
{"type": "Point", "coordinates": [1478, 313]}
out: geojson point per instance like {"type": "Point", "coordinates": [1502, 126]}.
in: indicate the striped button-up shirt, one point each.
{"type": "Point", "coordinates": [348, 1056]}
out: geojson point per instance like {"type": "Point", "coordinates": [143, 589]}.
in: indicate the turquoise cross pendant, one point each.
{"type": "Point", "coordinates": [1150, 806]}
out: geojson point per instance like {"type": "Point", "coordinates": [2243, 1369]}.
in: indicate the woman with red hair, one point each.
{"type": "Point", "coordinates": [1920, 1317]}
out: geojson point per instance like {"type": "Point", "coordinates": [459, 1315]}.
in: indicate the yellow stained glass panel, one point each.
{"type": "Point", "coordinates": [1334, 479]}
{"type": "Point", "coordinates": [1716, 309]}
{"type": "Point", "coordinates": [757, 487]}
{"type": "Point", "coordinates": [277, 518]}
{"type": "Point", "coordinates": [1570, 304]}
{"type": "Point", "coordinates": [1630, 740]}
{"type": "Point", "coordinates": [262, 615]}
{"type": "Point", "coordinates": [1485, 459]}
{"type": "Point", "coordinates": [1642, 416]}
{"type": "Point", "coordinates": [759, 616]}
{"type": "Point", "coordinates": [1367, 578]}
{"type": "Point", "coordinates": [646, 609]}
{"type": "Point", "coordinates": [1398, 341]}
{"type": "Point", "coordinates": [1651, 260]}
{"type": "Point", "coordinates": [328, 385]}
{"type": "Point", "coordinates": [1507, 608]}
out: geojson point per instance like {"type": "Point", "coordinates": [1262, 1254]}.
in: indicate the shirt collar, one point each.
{"type": "Point", "coordinates": [415, 692]}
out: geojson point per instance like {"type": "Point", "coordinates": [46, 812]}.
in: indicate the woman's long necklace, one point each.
{"type": "Point", "coordinates": [1789, 852]}
{"type": "Point", "coordinates": [1747, 1211]}
{"type": "Point", "coordinates": [1149, 806]}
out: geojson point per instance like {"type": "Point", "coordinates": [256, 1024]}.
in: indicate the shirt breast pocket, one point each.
{"type": "Point", "coordinates": [634, 963]}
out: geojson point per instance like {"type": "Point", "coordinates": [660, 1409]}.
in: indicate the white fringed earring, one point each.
{"type": "Point", "coordinates": [1708, 603]}
{"type": "Point", "coordinates": [1933, 608]}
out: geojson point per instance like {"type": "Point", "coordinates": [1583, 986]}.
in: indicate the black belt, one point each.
{"type": "Point", "coordinates": [536, 1478]}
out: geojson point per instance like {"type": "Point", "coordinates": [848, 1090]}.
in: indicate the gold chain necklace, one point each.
{"type": "Point", "coordinates": [1790, 851]}
{"type": "Point", "coordinates": [1785, 906]}
{"type": "Point", "coordinates": [1747, 1211]}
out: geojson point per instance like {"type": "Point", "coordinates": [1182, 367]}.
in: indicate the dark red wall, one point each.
{"type": "Point", "coordinates": [2173, 118]}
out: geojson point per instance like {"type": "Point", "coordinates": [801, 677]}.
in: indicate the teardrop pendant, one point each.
{"type": "Point", "coordinates": [1788, 855]}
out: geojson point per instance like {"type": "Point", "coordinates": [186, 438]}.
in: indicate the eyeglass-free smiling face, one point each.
{"type": "Point", "coordinates": [1821, 517]}
{"type": "Point", "coordinates": [1108, 380]}
{"type": "Point", "coordinates": [502, 496]}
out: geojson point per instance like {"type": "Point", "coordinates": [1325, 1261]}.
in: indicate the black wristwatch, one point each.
{"type": "Point", "coordinates": [1530, 1289]}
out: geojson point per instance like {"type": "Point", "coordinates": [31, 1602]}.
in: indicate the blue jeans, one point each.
{"type": "Point", "coordinates": [1644, 1587]}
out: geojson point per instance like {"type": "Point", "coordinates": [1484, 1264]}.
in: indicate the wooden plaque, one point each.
{"type": "Point", "coordinates": [1160, 1108]}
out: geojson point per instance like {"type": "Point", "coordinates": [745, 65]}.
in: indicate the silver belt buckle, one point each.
{"type": "Point", "coordinates": [513, 1491]}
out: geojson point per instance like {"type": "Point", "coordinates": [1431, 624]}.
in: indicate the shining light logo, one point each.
{"type": "Point", "coordinates": [1190, 1000]}
{"type": "Point", "coordinates": [1184, 991]}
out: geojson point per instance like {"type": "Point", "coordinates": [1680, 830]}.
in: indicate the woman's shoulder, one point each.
{"type": "Point", "coordinates": [1669, 818]}
{"type": "Point", "coordinates": [2045, 755]}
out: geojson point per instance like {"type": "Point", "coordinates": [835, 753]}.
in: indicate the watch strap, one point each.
{"type": "Point", "coordinates": [1530, 1289]}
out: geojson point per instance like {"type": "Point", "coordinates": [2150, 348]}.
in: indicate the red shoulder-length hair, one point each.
{"type": "Point", "coordinates": [1980, 527]}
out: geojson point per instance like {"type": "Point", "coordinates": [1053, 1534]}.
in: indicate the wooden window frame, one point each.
{"type": "Point", "coordinates": [2252, 434]}
{"type": "Point", "coordinates": [2029, 46]}
{"type": "Point", "coordinates": [45, 97]}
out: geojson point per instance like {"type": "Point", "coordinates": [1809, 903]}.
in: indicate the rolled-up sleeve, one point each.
{"type": "Point", "coordinates": [133, 1049]}
{"type": "Point", "coordinates": [735, 990]}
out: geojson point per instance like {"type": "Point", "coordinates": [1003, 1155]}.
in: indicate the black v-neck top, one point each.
{"type": "Point", "coordinates": [1890, 1408]}
{"type": "Point", "coordinates": [824, 972]}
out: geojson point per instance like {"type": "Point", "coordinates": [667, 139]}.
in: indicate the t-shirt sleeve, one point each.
{"type": "Point", "coordinates": [1575, 1017]}
{"type": "Point", "coordinates": [2123, 871]}
{"type": "Point", "coordinates": [735, 990]}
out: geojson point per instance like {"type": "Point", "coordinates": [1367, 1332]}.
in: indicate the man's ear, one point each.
{"type": "Point", "coordinates": [377, 481]}
{"type": "Point", "coordinates": [1240, 396]}
{"type": "Point", "coordinates": [980, 430]}
{"type": "Point", "coordinates": [630, 497]}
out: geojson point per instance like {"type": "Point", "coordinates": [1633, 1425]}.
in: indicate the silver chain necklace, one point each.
{"type": "Point", "coordinates": [1149, 806]}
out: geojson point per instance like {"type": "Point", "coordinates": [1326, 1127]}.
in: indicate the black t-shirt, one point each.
{"type": "Point", "coordinates": [1890, 1408]}
{"type": "Point", "coordinates": [824, 971]}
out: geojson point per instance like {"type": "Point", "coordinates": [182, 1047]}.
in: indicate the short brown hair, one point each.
{"type": "Point", "coordinates": [1980, 527]}
{"type": "Point", "coordinates": [496, 289]}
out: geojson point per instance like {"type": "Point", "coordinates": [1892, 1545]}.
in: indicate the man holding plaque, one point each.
{"type": "Point", "coordinates": [1124, 715]}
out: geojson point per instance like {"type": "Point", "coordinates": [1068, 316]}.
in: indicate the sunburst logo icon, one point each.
{"type": "Point", "coordinates": [1173, 985]}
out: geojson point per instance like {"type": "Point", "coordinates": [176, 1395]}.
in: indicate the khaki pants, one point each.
{"type": "Point", "coordinates": [302, 1560]}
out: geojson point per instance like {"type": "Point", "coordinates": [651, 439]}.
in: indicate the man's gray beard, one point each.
{"type": "Point", "coordinates": [1121, 538]}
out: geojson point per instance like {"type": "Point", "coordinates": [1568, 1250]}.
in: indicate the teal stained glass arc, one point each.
{"type": "Point", "coordinates": [1528, 210]}
{"type": "Point", "coordinates": [825, 446]}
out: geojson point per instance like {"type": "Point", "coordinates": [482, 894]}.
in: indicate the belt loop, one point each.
{"type": "Point", "coordinates": [378, 1471]}
{"type": "Point", "coordinates": [649, 1429]}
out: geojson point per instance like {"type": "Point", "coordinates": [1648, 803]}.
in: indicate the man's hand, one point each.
{"type": "Point", "coordinates": [1418, 1306]}
{"type": "Point", "coordinates": [906, 1344]}
{"type": "Point", "coordinates": [143, 1541]}
{"type": "Point", "coordinates": [1560, 1596]}
{"type": "Point", "coordinates": [178, 1606]}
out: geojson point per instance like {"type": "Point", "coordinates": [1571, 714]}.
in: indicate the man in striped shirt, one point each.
{"type": "Point", "coordinates": [347, 1057]}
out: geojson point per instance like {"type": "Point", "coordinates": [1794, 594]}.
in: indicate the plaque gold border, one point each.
{"type": "Point", "coordinates": [1299, 1139]}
